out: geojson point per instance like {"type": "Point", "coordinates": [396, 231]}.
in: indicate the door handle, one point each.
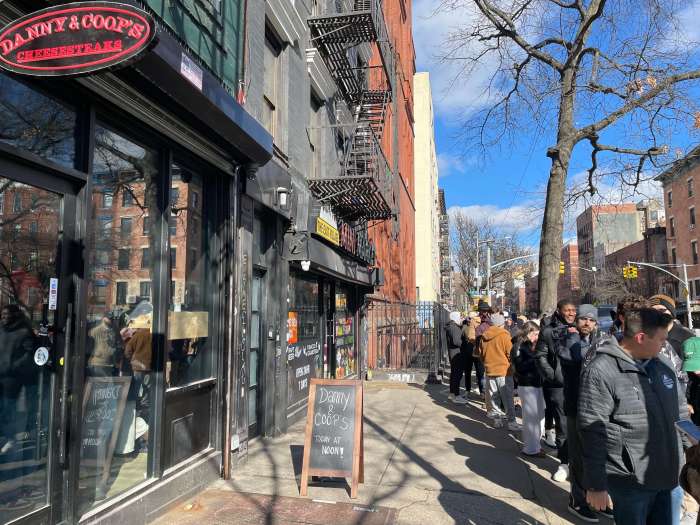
{"type": "Point", "coordinates": [65, 389]}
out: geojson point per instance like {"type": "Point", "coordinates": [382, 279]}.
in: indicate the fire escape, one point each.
{"type": "Point", "coordinates": [363, 190]}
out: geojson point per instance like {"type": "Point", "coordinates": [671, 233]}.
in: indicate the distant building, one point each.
{"type": "Point", "coordinates": [532, 293]}
{"type": "Point", "coordinates": [651, 249]}
{"type": "Point", "coordinates": [602, 230]}
{"type": "Point", "coordinates": [445, 263]}
{"type": "Point", "coordinates": [515, 294]}
{"type": "Point", "coordinates": [569, 286]}
{"type": "Point", "coordinates": [427, 218]}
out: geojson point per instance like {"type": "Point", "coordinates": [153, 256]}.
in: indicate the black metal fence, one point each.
{"type": "Point", "coordinates": [405, 336]}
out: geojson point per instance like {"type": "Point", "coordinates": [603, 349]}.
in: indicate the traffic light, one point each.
{"type": "Point", "coordinates": [562, 268]}
{"type": "Point", "coordinates": [625, 272]}
{"type": "Point", "coordinates": [633, 272]}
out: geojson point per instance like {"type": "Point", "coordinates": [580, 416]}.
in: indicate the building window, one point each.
{"type": "Point", "coordinates": [107, 200]}
{"type": "Point", "coordinates": [122, 289]}
{"type": "Point", "coordinates": [272, 52]}
{"type": "Point", "coordinates": [17, 204]}
{"type": "Point", "coordinates": [673, 256]}
{"type": "Point", "coordinates": [145, 258]}
{"type": "Point", "coordinates": [672, 227]}
{"type": "Point", "coordinates": [123, 259]}
{"type": "Point", "coordinates": [173, 257]}
{"type": "Point", "coordinates": [126, 224]}
{"type": "Point", "coordinates": [145, 225]}
{"type": "Point", "coordinates": [670, 199]}
{"type": "Point", "coordinates": [694, 250]}
{"type": "Point", "coordinates": [691, 218]}
{"type": "Point", "coordinates": [314, 137]}
{"type": "Point", "coordinates": [33, 227]}
{"type": "Point", "coordinates": [145, 290]}
{"type": "Point", "coordinates": [690, 187]}
{"type": "Point", "coordinates": [172, 225]}
{"type": "Point", "coordinates": [174, 197]}
{"type": "Point", "coordinates": [127, 197]}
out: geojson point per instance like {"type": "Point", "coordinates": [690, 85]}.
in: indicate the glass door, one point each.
{"type": "Point", "coordinates": [34, 300]}
{"type": "Point", "coordinates": [256, 357]}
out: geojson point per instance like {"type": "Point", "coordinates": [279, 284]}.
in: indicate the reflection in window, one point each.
{"type": "Point", "coordinates": [118, 350]}
{"type": "Point", "coordinates": [190, 353]}
{"type": "Point", "coordinates": [36, 123]}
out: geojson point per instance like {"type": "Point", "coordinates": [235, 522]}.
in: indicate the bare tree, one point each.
{"type": "Point", "coordinates": [610, 77]}
{"type": "Point", "coordinates": [465, 233]}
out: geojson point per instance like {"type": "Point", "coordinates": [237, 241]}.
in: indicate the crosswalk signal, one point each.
{"type": "Point", "coordinates": [562, 268]}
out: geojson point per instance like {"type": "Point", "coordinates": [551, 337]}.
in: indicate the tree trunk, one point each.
{"type": "Point", "coordinates": [553, 228]}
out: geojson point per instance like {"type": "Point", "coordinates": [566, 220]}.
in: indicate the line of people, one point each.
{"type": "Point", "coordinates": [607, 402]}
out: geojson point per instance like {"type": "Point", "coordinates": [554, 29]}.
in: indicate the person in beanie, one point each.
{"type": "Point", "coordinates": [629, 402]}
{"type": "Point", "coordinates": [454, 344]}
{"type": "Point", "coordinates": [552, 338]}
{"type": "Point", "coordinates": [496, 345]}
{"type": "Point", "coordinates": [578, 341]}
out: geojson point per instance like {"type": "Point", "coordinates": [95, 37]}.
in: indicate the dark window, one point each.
{"type": "Point", "coordinates": [670, 199]}
{"type": "Point", "coordinates": [36, 123]}
{"type": "Point", "coordinates": [692, 217]}
{"type": "Point", "coordinates": [127, 197]}
{"type": "Point", "coordinates": [173, 257]}
{"type": "Point", "coordinates": [122, 289]}
{"type": "Point", "coordinates": [694, 250]}
{"type": "Point", "coordinates": [17, 203]}
{"type": "Point", "coordinates": [123, 260]}
{"type": "Point", "coordinates": [673, 256]}
{"type": "Point", "coordinates": [99, 295]}
{"type": "Point", "coordinates": [145, 258]}
{"type": "Point", "coordinates": [33, 227]}
{"type": "Point", "coordinates": [145, 290]}
{"type": "Point", "coordinates": [146, 226]}
{"type": "Point", "coordinates": [672, 227]}
{"type": "Point", "coordinates": [102, 259]}
{"type": "Point", "coordinates": [690, 187]}
{"type": "Point", "coordinates": [174, 196]}
{"type": "Point", "coordinates": [172, 225]}
{"type": "Point", "coordinates": [126, 227]}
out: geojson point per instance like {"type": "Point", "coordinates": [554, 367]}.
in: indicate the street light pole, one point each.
{"type": "Point", "coordinates": [488, 272]}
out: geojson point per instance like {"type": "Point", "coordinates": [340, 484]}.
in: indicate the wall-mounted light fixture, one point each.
{"type": "Point", "coordinates": [282, 198]}
{"type": "Point", "coordinates": [305, 265]}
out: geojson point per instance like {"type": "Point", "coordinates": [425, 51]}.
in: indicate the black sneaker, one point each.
{"type": "Point", "coordinates": [584, 513]}
{"type": "Point", "coordinates": [608, 513]}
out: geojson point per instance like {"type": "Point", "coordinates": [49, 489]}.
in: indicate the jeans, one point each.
{"type": "Point", "coordinates": [575, 456]}
{"type": "Point", "coordinates": [554, 401]}
{"type": "Point", "coordinates": [635, 505]}
{"type": "Point", "coordinates": [456, 370]}
{"type": "Point", "coordinates": [469, 362]}
{"type": "Point", "coordinates": [499, 391]}
{"type": "Point", "coordinates": [533, 415]}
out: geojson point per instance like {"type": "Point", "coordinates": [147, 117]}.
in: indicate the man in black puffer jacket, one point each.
{"type": "Point", "coordinates": [552, 339]}
{"type": "Point", "coordinates": [629, 402]}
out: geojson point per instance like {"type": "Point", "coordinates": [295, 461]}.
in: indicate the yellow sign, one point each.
{"type": "Point", "coordinates": [327, 231]}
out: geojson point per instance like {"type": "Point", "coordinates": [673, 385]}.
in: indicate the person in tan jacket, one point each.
{"type": "Point", "coordinates": [495, 353]}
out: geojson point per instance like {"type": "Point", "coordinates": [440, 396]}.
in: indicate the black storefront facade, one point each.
{"type": "Point", "coordinates": [123, 198]}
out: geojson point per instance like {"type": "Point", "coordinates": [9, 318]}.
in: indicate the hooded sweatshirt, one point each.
{"type": "Point", "coordinates": [626, 418]}
{"type": "Point", "coordinates": [495, 351]}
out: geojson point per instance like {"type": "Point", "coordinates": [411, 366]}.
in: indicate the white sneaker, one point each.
{"type": "Point", "coordinates": [451, 397]}
{"type": "Point", "coordinates": [497, 422]}
{"type": "Point", "coordinates": [562, 474]}
{"type": "Point", "coordinates": [550, 438]}
{"type": "Point", "coordinates": [460, 400]}
{"type": "Point", "coordinates": [514, 426]}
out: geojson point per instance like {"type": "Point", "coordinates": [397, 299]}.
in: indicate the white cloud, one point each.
{"type": "Point", "coordinates": [430, 29]}
{"type": "Point", "coordinates": [449, 164]}
{"type": "Point", "coordinates": [518, 219]}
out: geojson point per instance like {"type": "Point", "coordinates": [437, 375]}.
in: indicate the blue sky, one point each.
{"type": "Point", "coordinates": [507, 183]}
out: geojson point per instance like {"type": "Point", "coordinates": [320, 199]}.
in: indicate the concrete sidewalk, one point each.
{"type": "Point", "coordinates": [429, 460]}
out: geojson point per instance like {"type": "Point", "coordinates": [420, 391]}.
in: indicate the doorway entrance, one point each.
{"type": "Point", "coordinates": [37, 217]}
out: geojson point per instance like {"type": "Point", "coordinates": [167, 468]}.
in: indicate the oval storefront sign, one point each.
{"type": "Point", "coordinates": [74, 39]}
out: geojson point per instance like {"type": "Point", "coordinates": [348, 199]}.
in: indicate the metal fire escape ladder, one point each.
{"type": "Point", "coordinates": [363, 191]}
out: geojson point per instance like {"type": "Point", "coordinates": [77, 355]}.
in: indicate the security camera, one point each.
{"type": "Point", "coordinates": [305, 265]}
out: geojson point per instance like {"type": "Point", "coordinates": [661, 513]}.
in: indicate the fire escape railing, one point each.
{"type": "Point", "coordinates": [363, 190]}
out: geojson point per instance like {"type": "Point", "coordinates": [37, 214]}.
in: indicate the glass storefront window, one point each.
{"type": "Point", "coordinates": [190, 355]}
{"type": "Point", "coordinates": [115, 436]}
{"type": "Point", "coordinates": [34, 122]}
{"type": "Point", "coordinates": [304, 336]}
{"type": "Point", "coordinates": [345, 352]}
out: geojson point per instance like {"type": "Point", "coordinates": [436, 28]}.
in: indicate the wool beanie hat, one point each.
{"type": "Point", "coordinates": [665, 301]}
{"type": "Point", "coordinates": [498, 320]}
{"type": "Point", "coordinates": [588, 311]}
{"type": "Point", "coordinates": [483, 305]}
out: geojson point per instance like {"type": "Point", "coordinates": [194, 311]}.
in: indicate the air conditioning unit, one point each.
{"type": "Point", "coordinates": [131, 299]}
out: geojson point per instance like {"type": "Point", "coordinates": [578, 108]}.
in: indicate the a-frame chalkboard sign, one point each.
{"type": "Point", "coordinates": [334, 444]}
